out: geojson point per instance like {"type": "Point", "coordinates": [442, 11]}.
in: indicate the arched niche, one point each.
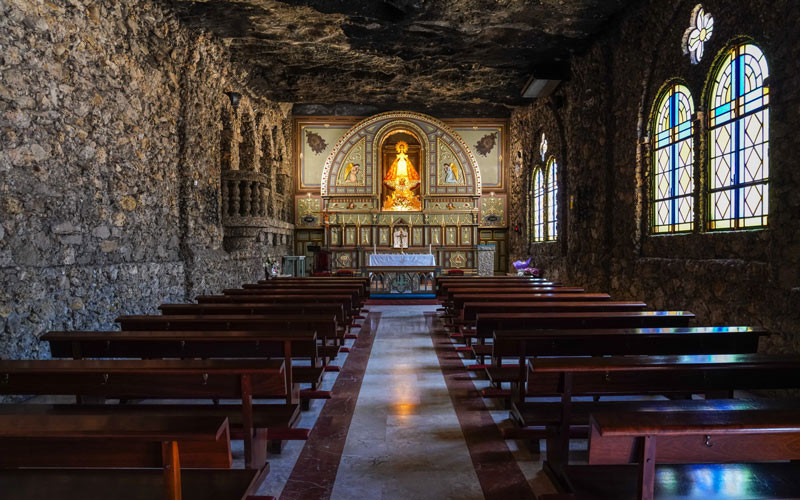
{"type": "Point", "coordinates": [247, 137]}
{"type": "Point", "coordinates": [442, 146]}
{"type": "Point", "coordinates": [226, 137]}
{"type": "Point", "coordinates": [398, 140]}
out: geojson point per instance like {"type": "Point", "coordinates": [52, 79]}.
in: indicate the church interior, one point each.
{"type": "Point", "coordinates": [394, 249]}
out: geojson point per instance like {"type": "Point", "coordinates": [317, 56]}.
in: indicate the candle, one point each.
{"type": "Point", "coordinates": [430, 248]}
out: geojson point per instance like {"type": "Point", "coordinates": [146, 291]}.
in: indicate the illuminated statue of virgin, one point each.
{"type": "Point", "coordinates": [402, 177]}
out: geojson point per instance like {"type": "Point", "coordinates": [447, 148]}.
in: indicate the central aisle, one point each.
{"type": "Point", "coordinates": [405, 440]}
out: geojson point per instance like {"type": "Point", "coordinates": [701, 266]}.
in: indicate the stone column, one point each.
{"type": "Point", "coordinates": [485, 260]}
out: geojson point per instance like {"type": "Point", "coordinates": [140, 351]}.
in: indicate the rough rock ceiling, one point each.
{"type": "Point", "coordinates": [415, 54]}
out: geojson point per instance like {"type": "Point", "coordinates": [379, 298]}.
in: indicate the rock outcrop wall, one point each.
{"type": "Point", "coordinates": [600, 119]}
{"type": "Point", "coordinates": [111, 126]}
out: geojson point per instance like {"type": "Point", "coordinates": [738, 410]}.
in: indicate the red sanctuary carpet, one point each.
{"type": "Point", "coordinates": [402, 302]}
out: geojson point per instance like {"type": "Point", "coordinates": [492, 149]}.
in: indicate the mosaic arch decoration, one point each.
{"type": "Point", "coordinates": [672, 201]}
{"type": "Point", "coordinates": [440, 143]}
{"type": "Point", "coordinates": [701, 27]}
{"type": "Point", "coordinates": [738, 131]}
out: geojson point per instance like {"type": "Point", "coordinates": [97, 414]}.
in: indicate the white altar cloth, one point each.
{"type": "Point", "coordinates": [396, 259]}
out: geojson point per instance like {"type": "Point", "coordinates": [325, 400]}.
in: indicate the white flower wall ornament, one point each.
{"type": "Point", "coordinates": [699, 32]}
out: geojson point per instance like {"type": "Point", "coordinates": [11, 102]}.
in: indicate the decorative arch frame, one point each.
{"type": "Point", "coordinates": [431, 132]}
{"type": "Point", "coordinates": [385, 132]}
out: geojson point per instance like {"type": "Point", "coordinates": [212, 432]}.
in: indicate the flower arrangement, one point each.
{"type": "Point", "coordinates": [532, 271]}
{"type": "Point", "coordinates": [271, 268]}
{"type": "Point", "coordinates": [522, 264]}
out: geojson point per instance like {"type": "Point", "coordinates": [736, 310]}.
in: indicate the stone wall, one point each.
{"type": "Point", "coordinates": [600, 117]}
{"type": "Point", "coordinates": [111, 120]}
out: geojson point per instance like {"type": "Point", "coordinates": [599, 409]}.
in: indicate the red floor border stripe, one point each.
{"type": "Point", "coordinates": [314, 473]}
{"type": "Point", "coordinates": [498, 472]}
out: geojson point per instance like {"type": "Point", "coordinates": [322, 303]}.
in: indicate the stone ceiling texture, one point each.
{"type": "Point", "coordinates": [415, 54]}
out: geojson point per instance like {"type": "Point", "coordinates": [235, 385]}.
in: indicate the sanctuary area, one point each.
{"type": "Point", "coordinates": [399, 249]}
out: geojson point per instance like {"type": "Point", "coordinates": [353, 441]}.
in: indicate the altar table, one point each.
{"type": "Point", "coordinates": [401, 260]}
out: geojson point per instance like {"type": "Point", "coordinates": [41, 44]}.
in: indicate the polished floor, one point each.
{"type": "Point", "coordinates": [405, 422]}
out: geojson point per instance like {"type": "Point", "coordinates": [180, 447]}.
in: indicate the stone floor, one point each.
{"type": "Point", "coordinates": [407, 432]}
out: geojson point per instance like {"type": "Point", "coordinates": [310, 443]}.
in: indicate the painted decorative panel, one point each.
{"type": "Point", "coordinates": [493, 211]}
{"type": "Point", "coordinates": [416, 237]}
{"type": "Point", "coordinates": [451, 236]}
{"type": "Point", "coordinates": [350, 236]}
{"type": "Point", "coordinates": [366, 236]}
{"type": "Point", "coordinates": [308, 211]}
{"type": "Point", "coordinates": [488, 144]}
{"type": "Point", "coordinates": [436, 236]}
{"type": "Point", "coordinates": [370, 132]}
{"type": "Point", "coordinates": [383, 236]}
{"type": "Point", "coordinates": [316, 140]}
{"type": "Point", "coordinates": [466, 235]}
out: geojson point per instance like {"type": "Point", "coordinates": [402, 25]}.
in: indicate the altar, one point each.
{"type": "Point", "coordinates": [401, 198]}
{"type": "Point", "coordinates": [401, 259]}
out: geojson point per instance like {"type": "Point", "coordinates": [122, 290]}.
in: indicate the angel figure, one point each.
{"type": "Point", "coordinates": [351, 173]}
{"type": "Point", "coordinates": [450, 173]}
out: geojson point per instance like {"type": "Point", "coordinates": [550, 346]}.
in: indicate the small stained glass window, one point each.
{"type": "Point", "coordinates": [543, 147]}
{"type": "Point", "coordinates": [672, 201]}
{"type": "Point", "coordinates": [701, 27]}
{"type": "Point", "coordinates": [552, 199]}
{"type": "Point", "coordinates": [538, 205]}
{"type": "Point", "coordinates": [738, 128]}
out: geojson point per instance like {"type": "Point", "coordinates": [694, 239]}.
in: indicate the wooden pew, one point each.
{"type": "Point", "coordinates": [446, 287]}
{"type": "Point", "coordinates": [516, 290]}
{"type": "Point", "coordinates": [313, 281]}
{"type": "Point", "coordinates": [279, 298]}
{"type": "Point", "coordinates": [241, 380]}
{"type": "Point", "coordinates": [520, 345]}
{"type": "Point", "coordinates": [309, 293]}
{"type": "Point", "coordinates": [766, 431]}
{"type": "Point", "coordinates": [31, 440]}
{"type": "Point", "coordinates": [460, 299]}
{"type": "Point", "coordinates": [335, 308]}
{"type": "Point", "coordinates": [161, 344]}
{"type": "Point", "coordinates": [487, 323]}
{"type": "Point", "coordinates": [325, 325]}
{"type": "Point", "coordinates": [472, 309]}
{"type": "Point", "coordinates": [643, 375]}
{"type": "Point", "coordinates": [129, 484]}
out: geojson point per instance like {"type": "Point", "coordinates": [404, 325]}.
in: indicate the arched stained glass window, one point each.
{"type": "Point", "coordinates": [538, 205]}
{"type": "Point", "coordinates": [738, 127]}
{"type": "Point", "coordinates": [672, 207]}
{"type": "Point", "coordinates": [552, 199]}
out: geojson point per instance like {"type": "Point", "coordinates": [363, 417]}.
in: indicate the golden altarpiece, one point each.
{"type": "Point", "coordinates": [399, 182]}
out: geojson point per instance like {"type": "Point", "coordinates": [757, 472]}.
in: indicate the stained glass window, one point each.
{"type": "Point", "coordinates": [738, 127]}
{"type": "Point", "coordinates": [701, 27]}
{"type": "Point", "coordinates": [672, 203]}
{"type": "Point", "coordinates": [538, 205]}
{"type": "Point", "coordinates": [543, 147]}
{"type": "Point", "coordinates": [552, 199]}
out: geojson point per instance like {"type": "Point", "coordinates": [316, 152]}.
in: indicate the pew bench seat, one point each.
{"type": "Point", "coordinates": [646, 439]}
{"type": "Point", "coordinates": [128, 484]}
{"type": "Point", "coordinates": [280, 420]}
{"type": "Point", "coordinates": [751, 481]}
